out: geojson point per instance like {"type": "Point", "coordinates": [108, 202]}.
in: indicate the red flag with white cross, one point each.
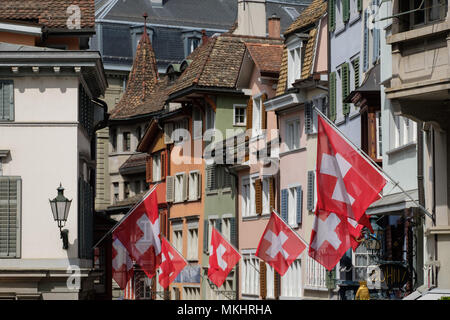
{"type": "Point", "coordinates": [347, 183]}
{"type": "Point", "coordinates": [279, 245]}
{"type": "Point", "coordinates": [330, 238]}
{"type": "Point", "coordinates": [122, 265]}
{"type": "Point", "coordinates": [172, 262]}
{"type": "Point", "coordinates": [222, 258]}
{"type": "Point", "coordinates": [140, 234]}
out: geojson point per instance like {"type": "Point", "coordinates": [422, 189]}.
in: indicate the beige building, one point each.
{"type": "Point", "coordinates": [419, 89]}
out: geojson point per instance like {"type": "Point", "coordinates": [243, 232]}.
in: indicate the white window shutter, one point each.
{"type": "Point", "coordinates": [170, 188]}
{"type": "Point", "coordinates": [199, 186]}
{"type": "Point", "coordinates": [184, 195]}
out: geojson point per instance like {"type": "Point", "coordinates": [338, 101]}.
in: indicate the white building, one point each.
{"type": "Point", "coordinates": [48, 118]}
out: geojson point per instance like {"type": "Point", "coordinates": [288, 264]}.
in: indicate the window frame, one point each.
{"type": "Point", "coordinates": [290, 140]}
{"type": "Point", "coordinates": [294, 53]}
{"type": "Point", "coordinates": [12, 106]}
{"type": "Point", "coordinates": [126, 141]}
{"type": "Point", "coordinates": [240, 107]}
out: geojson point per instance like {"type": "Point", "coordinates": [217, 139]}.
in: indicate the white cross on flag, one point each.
{"type": "Point", "coordinates": [122, 265]}
{"type": "Point", "coordinates": [222, 258]}
{"type": "Point", "coordinates": [140, 235]}
{"type": "Point", "coordinates": [172, 262]}
{"type": "Point", "coordinates": [347, 184]}
{"type": "Point", "coordinates": [279, 245]}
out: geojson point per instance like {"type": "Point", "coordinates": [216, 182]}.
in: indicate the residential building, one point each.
{"type": "Point", "coordinates": [49, 116]}
{"type": "Point", "coordinates": [302, 84]}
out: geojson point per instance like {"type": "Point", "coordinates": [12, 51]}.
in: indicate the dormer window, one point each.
{"type": "Point", "coordinates": [191, 41]}
{"type": "Point", "coordinates": [294, 62]}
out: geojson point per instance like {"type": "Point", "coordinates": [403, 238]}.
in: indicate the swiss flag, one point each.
{"type": "Point", "coordinates": [172, 263]}
{"type": "Point", "coordinates": [122, 265]}
{"type": "Point", "coordinates": [346, 182]}
{"type": "Point", "coordinates": [222, 258]}
{"type": "Point", "coordinates": [140, 235]}
{"type": "Point", "coordinates": [330, 238]}
{"type": "Point", "coordinates": [355, 229]}
{"type": "Point", "coordinates": [279, 245]}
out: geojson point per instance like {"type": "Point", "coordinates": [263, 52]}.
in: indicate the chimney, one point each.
{"type": "Point", "coordinates": [251, 18]}
{"type": "Point", "coordinates": [274, 26]}
{"type": "Point", "coordinates": [204, 37]}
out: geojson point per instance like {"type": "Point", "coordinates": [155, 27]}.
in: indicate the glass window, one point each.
{"type": "Point", "coordinates": [126, 141]}
{"type": "Point", "coordinates": [126, 190]}
{"type": "Point", "coordinates": [240, 115]}
{"type": "Point", "coordinates": [192, 249]}
{"type": "Point", "coordinates": [293, 134]}
{"type": "Point", "coordinates": [116, 191]}
{"type": "Point", "coordinates": [257, 117]}
{"type": "Point", "coordinates": [156, 167]}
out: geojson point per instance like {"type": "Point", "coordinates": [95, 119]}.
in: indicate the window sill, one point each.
{"type": "Point", "coordinates": [193, 200]}
{"type": "Point", "coordinates": [284, 153]}
{"type": "Point", "coordinates": [290, 298]}
{"type": "Point", "coordinates": [212, 192]}
{"type": "Point", "coordinates": [418, 32]}
{"type": "Point", "coordinates": [339, 29]}
{"type": "Point", "coordinates": [356, 16]}
{"type": "Point", "coordinates": [256, 217]}
{"type": "Point", "coordinates": [226, 190]}
{"type": "Point", "coordinates": [404, 147]}
{"type": "Point", "coordinates": [316, 288]}
{"type": "Point", "coordinates": [250, 296]}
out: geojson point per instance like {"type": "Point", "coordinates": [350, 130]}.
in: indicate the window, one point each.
{"type": "Point", "coordinates": [292, 206]}
{"type": "Point", "coordinates": [126, 141]}
{"type": "Point", "coordinates": [246, 201]}
{"type": "Point", "coordinates": [126, 190]}
{"type": "Point", "coordinates": [197, 123]}
{"type": "Point", "coordinates": [266, 196]}
{"type": "Point", "coordinates": [240, 118]}
{"type": "Point", "coordinates": [226, 228]}
{"type": "Point", "coordinates": [250, 275]}
{"type": "Point", "coordinates": [210, 118]}
{"type": "Point", "coordinates": [192, 249]}
{"type": "Point", "coordinates": [113, 137]}
{"type": "Point", "coordinates": [294, 63]}
{"type": "Point", "coordinates": [180, 187]}
{"type": "Point", "coordinates": [194, 185]}
{"type": "Point", "coordinates": [257, 116]}
{"type": "Point", "coordinates": [137, 187]}
{"type": "Point", "coordinates": [6, 100]}
{"type": "Point", "coordinates": [115, 192]}
{"type": "Point", "coordinates": [362, 259]}
{"type": "Point", "coordinates": [218, 178]}
{"type": "Point", "coordinates": [315, 274]}
{"type": "Point", "coordinates": [270, 282]}
{"type": "Point", "coordinates": [180, 133]}
{"type": "Point", "coordinates": [191, 293]}
{"type": "Point", "coordinates": [291, 282]}
{"type": "Point", "coordinates": [10, 211]}
{"type": "Point", "coordinates": [156, 167]}
{"type": "Point", "coordinates": [430, 11]}
{"type": "Point", "coordinates": [138, 133]}
{"type": "Point", "coordinates": [379, 135]}
{"type": "Point", "coordinates": [193, 44]}
{"type": "Point", "coordinates": [405, 131]}
{"type": "Point", "coordinates": [354, 9]}
{"type": "Point", "coordinates": [292, 134]}
{"type": "Point", "coordinates": [177, 236]}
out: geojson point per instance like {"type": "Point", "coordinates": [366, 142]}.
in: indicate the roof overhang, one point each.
{"type": "Point", "coordinates": [22, 28]}
{"type": "Point", "coordinates": [198, 91]}
{"type": "Point", "coordinates": [368, 94]}
{"type": "Point", "coordinates": [285, 101]}
{"type": "Point", "coordinates": [393, 203]}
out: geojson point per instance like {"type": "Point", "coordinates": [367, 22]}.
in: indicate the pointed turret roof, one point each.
{"type": "Point", "coordinates": [142, 81]}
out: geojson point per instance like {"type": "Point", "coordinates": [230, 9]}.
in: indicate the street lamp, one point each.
{"type": "Point", "coordinates": [60, 209]}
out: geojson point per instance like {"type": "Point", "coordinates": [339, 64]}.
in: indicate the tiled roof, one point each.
{"type": "Point", "coordinates": [142, 84]}
{"type": "Point", "coordinates": [50, 13]}
{"type": "Point", "coordinates": [282, 78]}
{"type": "Point", "coordinates": [128, 202]}
{"type": "Point", "coordinates": [315, 10]}
{"type": "Point", "coordinates": [309, 54]}
{"type": "Point", "coordinates": [135, 160]}
{"type": "Point", "coordinates": [267, 57]}
{"type": "Point", "coordinates": [217, 62]}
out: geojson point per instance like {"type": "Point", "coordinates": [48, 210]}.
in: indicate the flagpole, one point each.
{"type": "Point", "coordinates": [374, 164]}
{"type": "Point", "coordinates": [128, 213]}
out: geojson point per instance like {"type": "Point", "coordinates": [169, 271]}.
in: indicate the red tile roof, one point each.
{"type": "Point", "coordinates": [267, 57]}
{"type": "Point", "coordinates": [50, 13]}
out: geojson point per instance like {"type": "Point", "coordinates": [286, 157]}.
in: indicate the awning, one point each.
{"type": "Point", "coordinates": [393, 202]}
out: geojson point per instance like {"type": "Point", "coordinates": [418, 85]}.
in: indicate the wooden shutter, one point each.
{"type": "Point", "coordinates": [345, 74]}
{"type": "Point", "coordinates": [249, 113]}
{"type": "Point", "coordinates": [184, 195]}
{"type": "Point", "coordinates": [331, 15]}
{"type": "Point", "coordinates": [366, 42]}
{"type": "Point", "coordinates": [205, 236]}
{"type": "Point", "coordinates": [310, 191]}
{"type": "Point", "coordinates": [276, 284]}
{"type": "Point", "coordinates": [332, 111]}
{"type": "Point", "coordinates": [299, 204]}
{"type": "Point", "coordinates": [262, 279]}
{"type": "Point", "coordinates": [199, 185]}
{"type": "Point", "coordinates": [210, 177]}
{"type": "Point", "coordinates": [149, 170]}
{"type": "Point", "coordinates": [258, 196]}
{"type": "Point", "coordinates": [284, 204]}
{"type": "Point", "coordinates": [6, 100]}
{"type": "Point", "coordinates": [163, 220]}
{"type": "Point", "coordinates": [308, 117]}
{"type": "Point", "coordinates": [263, 112]}
{"type": "Point", "coordinates": [233, 231]}
{"type": "Point", "coordinates": [170, 188]}
{"type": "Point", "coordinates": [272, 193]}
{"type": "Point", "coordinates": [356, 70]}
{"type": "Point", "coordinates": [10, 208]}
{"type": "Point", "coordinates": [346, 10]}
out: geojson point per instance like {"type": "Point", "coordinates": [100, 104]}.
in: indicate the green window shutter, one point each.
{"type": "Point", "coordinates": [331, 15]}
{"type": "Point", "coordinates": [331, 279]}
{"type": "Point", "coordinates": [205, 236]}
{"type": "Point", "coordinates": [345, 88]}
{"type": "Point", "coordinates": [299, 204]}
{"type": "Point", "coordinates": [310, 191]}
{"type": "Point", "coordinates": [359, 5]}
{"type": "Point", "coordinates": [332, 88]}
{"type": "Point", "coordinates": [10, 211]}
{"type": "Point", "coordinates": [345, 10]}
{"type": "Point", "coordinates": [6, 100]}
{"type": "Point", "coordinates": [356, 69]}
{"type": "Point", "coordinates": [233, 231]}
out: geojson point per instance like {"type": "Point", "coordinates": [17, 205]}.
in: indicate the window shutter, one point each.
{"type": "Point", "coordinates": [226, 179]}
{"type": "Point", "coordinates": [359, 5]}
{"type": "Point", "coordinates": [163, 165]}
{"type": "Point", "coordinates": [168, 129]}
{"type": "Point", "coordinates": [149, 170]}
{"type": "Point", "coordinates": [218, 224]}
{"type": "Point", "coordinates": [170, 188]}
{"type": "Point", "coordinates": [366, 42]}
{"type": "Point", "coordinates": [263, 112]}
{"type": "Point", "coordinates": [258, 196]}
{"type": "Point", "coordinates": [356, 69]}
{"type": "Point", "coordinates": [10, 207]}
{"type": "Point", "coordinates": [276, 284]}
{"type": "Point", "coordinates": [163, 221]}
{"type": "Point", "coordinates": [308, 117]}
{"type": "Point", "coordinates": [210, 177]}
{"type": "Point", "coordinates": [332, 111]}
{"type": "Point", "coordinates": [376, 45]}
{"type": "Point", "coordinates": [299, 204]}
{"type": "Point", "coordinates": [199, 186]}
{"type": "Point", "coordinates": [272, 193]}
{"type": "Point", "coordinates": [233, 233]}
{"type": "Point", "coordinates": [262, 279]}
{"type": "Point", "coordinates": [205, 236]}
{"type": "Point", "coordinates": [6, 100]}
{"type": "Point", "coordinates": [346, 10]}
{"type": "Point", "coordinates": [310, 191]}
{"type": "Point", "coordinates": [249, 113]}
{"type": "Point", "coordinates": [184, 195]}
{"type": "Point", "coordinates": [331, 15]}
{"type": "Point", "coordinates": [284, 205]}
{"type": "Point", "coordinates": [345, 88]}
